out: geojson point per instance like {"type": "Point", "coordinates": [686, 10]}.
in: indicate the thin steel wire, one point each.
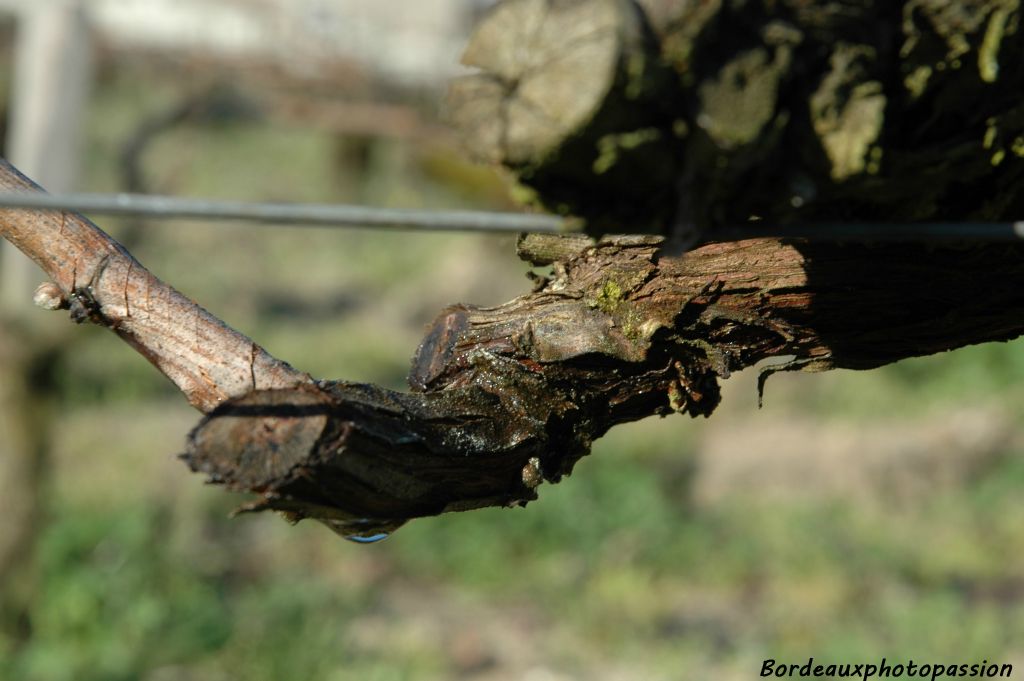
{"type": "Point", "coordinates": [342, 215]}
{"type": "Point", "coordinates": [298, 214]}
{"type": "Point", "coordinates": [927, 232]}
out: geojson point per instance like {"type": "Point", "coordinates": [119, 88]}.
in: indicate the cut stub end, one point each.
{"type": "Point", "coordinates": [273, 443]}
{"type": "Point", "coordinates": [256, 441]}
{"type": "Point", "coordinates": [363, 460]}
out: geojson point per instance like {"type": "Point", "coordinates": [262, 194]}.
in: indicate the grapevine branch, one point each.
{"type": "Point", "coordinates": [505, 398]}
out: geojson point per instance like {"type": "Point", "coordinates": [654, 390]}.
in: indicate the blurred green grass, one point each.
{"type": "Point", "coordinates": [619, 572]}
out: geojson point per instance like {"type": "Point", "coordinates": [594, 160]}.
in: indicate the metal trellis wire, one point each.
{"type": "Point", "coordinates": [298, 214]}
{"type": "Point", "coordinates": [342, 215]}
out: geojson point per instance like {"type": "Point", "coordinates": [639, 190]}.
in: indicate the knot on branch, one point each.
{"type": "Point", "coordinates": [85, 308]}
{"type": "Point", "coordinates": [602, 324]}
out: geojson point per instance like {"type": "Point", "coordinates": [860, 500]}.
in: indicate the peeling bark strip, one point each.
{"type": "Point", "coordinates": [511, 395]}
{"type": "Point", "coordinates": [103, 283]}
{"type": "Point", "coordinates": [719, 110]}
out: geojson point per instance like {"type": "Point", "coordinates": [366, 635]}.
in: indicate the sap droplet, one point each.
{"type": "Point", "coordinates": [371, 539]}
{"type": "Point", "coordinates": [363, 530]}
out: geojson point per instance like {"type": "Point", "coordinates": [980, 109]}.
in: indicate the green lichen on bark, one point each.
{"type": "Point", "coordinates": [609, 297]}
{"type": "Point", "coordinates": [848, 112]}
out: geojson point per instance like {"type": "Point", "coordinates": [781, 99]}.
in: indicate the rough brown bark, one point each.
{"type": "Point", "coordinates": [505, 398]}
{"type": "Point", "coordinates": [510, 396]}
{"type": "Point", "coordinates": [714, 111]}
{"type": "Point", "coordinates": [718, 111]}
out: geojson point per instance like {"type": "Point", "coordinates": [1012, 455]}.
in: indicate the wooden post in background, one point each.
{"type": "Point", "coordinates": [51, 83]}
{"type": "Point", "coordinates": [48, 99]}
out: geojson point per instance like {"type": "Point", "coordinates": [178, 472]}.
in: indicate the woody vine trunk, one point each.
{"type": "Point", "coordinates": [507, 397]}
{"type": "Point", "coordinates": [653, 117]}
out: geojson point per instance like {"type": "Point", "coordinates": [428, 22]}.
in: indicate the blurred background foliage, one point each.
{"type": "Point", "coordinates": [856, 516]}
